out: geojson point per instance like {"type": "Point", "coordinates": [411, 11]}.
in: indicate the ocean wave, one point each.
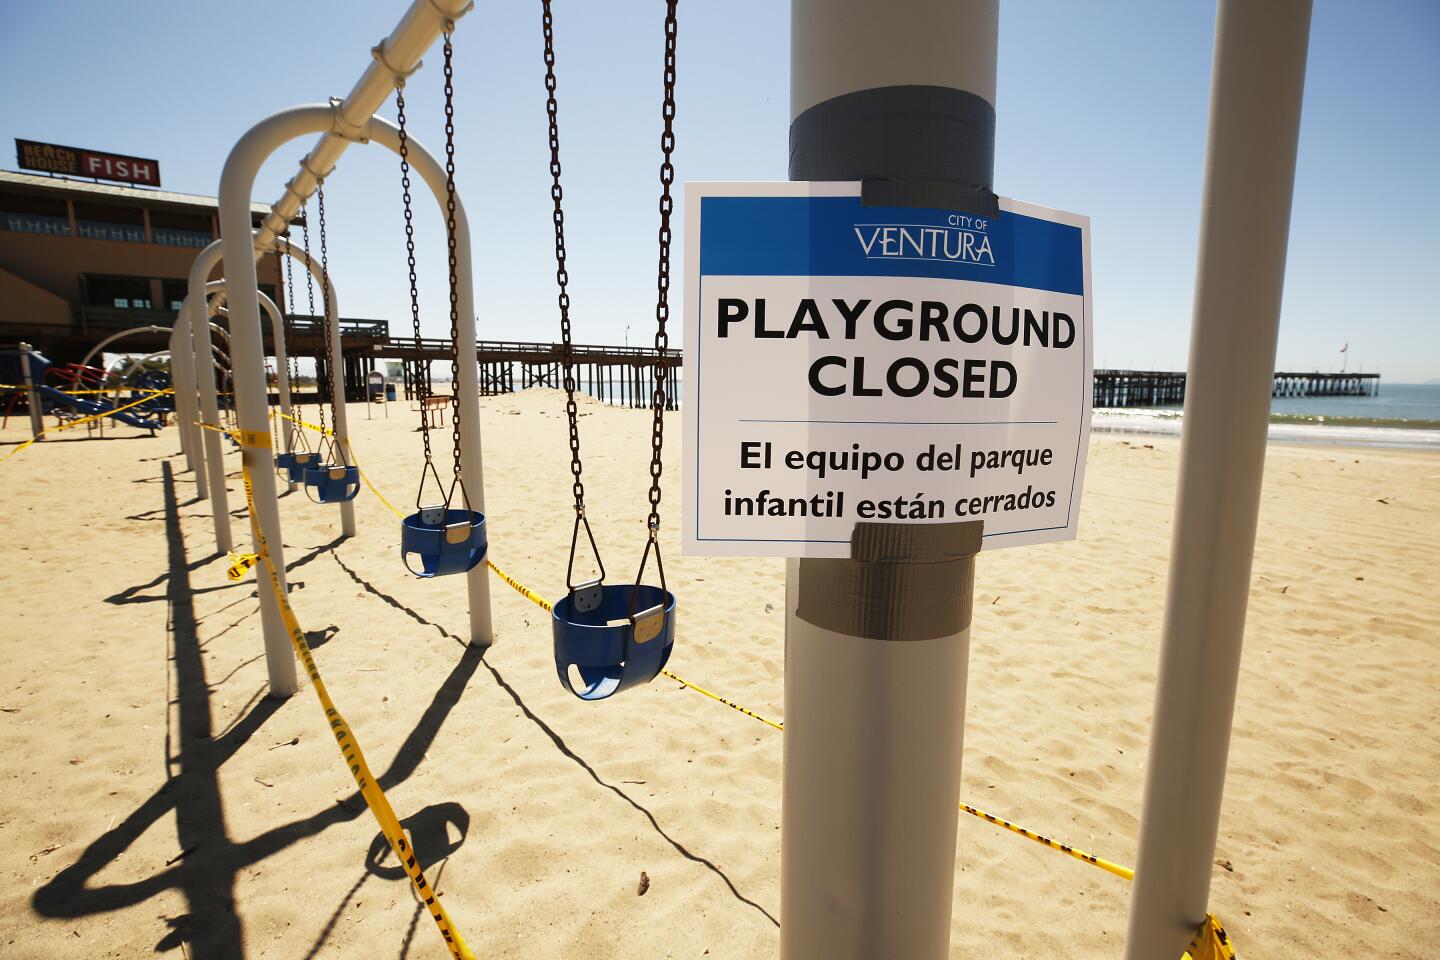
{"type": "Point", "coordinates": [1285, 428]}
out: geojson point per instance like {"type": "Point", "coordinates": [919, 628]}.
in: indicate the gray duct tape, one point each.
{"type": "Point", "coordinates": [912, 146]}
{"type": "Point", "coordinates": [862, 596]}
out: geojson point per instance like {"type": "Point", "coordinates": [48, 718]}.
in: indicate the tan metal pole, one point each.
{"type": "Point", "coordinates": [1255, 93]}
{"type": "Point", "coordinates": [900, 92]}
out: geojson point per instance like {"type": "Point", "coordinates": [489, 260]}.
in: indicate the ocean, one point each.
{"type": "Point", "coordinates": [1401, 415]}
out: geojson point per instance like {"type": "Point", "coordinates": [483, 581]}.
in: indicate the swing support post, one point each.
{"type": "Point", "coordinates": [209, 447]}
{"type": "Point", "coordinates": [182, 378]}
{"type": "Point", "coordinates": [282, 374]}
{"type": "Point", "coordinates": [467, 386]}
{"type": "Point", "coordinates": [339, 123]}
{"type": "Point", "coordinates": [877, 646]}
{"type": "Point", "coordinates": [1257, 81]}
{"type": "Point", "coordinates": [336, 373]}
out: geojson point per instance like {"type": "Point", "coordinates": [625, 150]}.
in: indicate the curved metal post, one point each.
{"type": "Point", "coordinates": [337, 376]}
{"type": "Point", "coordinates": [209, 409]}
{"type": "Point", "coordinates": [182, 369]}
{"type": "Point", "coordinates": [467, 387]}
{"type": "Point", "coordinates": [282, 361]}
{"type": "Point", "coordinates": [1256, 87]}
{"type": "Point", "coordinates": [418, 28]}
{"type": "Point", "coordinates": [149, 328]}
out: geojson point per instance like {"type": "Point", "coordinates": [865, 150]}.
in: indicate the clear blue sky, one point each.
{"type": "Point", "coordinates": [1102, 110]}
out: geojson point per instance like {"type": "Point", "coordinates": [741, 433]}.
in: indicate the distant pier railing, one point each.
{"type": "Point", "coordinates": [625, 375]}
{"type": "Point", "coordinates": [618, 375]}
{"type": "Point", "coordinates": [1156, 388]}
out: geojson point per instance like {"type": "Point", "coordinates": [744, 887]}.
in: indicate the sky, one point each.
{"type": "Point", "coordinates": [1101, 110]}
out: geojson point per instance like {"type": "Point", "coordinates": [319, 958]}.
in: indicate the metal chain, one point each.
{"type": "Point", "coordinates": [421, 382]}
{"type": "Point", "coordinates": [662, 302]}
{"type": "Point", "coordinates": [287, 329]}
{"type": "Point", "coordinates": [330, 369]}
{"type": "Point", "coordinates": [289, 310]}
{"type": "Point", "coordinates": [562, 281]}
{"type": "Point", "coordinates": [275, 407]}
{"type": "Point", "coordinates": [451, 243]}
{"type": "Point", "coordinates": [562, 275]}
{"type": "Point", "coordinates": [310, 295]}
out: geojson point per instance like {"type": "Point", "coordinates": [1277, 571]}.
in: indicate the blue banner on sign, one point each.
{"type": "Point", "coordinates": [840, 237]}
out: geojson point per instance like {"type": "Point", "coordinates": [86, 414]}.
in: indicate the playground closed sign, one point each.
{"type": "Point", "coordinates": [849, 363]}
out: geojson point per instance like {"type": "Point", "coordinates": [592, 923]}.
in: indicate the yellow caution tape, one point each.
{"type": "Point", "coordinates": [350, 749]}
{"type": "Point", "coordinates": [73, 393]}
{"type": "Point", "coordinates": [240, 563]}
{"type": "Point", "coordinates": [253, 439]}
{"type": "Point", "coordinates": [1210, 942]}
{"type": "Point", "coordinates": [353, 459]}
{"type": "Point", "coordinates": [719, 699]}
{"type": "Point", "coordinates": [309, 426]}
{"type": "Point", "coordinates": [83, 420]}
{"type": "Point", "coordinates": [520, 588]}
{"type": "Point", "coordinates": [1119, 871]}
{"type": "Point", "coordinates": [373, 489]}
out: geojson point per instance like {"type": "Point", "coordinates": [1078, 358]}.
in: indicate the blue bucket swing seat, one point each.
{"type": "Point", "coordinates": [327, 481]}
{"type": "Point", "coordinates": [615, 636]}
{"type": "Point", "coordinates": [445, 541]}
{"type": "Point", "coordinates": [292, 465]}
{"type": "Point", "coordinates": [332, 482]}
{"type": "Point", "coordinates": [611, 647]}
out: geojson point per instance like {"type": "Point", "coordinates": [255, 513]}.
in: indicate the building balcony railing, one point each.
{"type": "Point", "coordinates": [35, 223]}
{"type": "Point", "coordinates": [176, 237]}
{"type": "Point", "coordinates": [102, 230]}
{"type": "Point", "coordinates": [309, 326]}
{"type": "Point", "coordinates": [302, 328]}
{"type": "Point", "coordinates": [121, 318]}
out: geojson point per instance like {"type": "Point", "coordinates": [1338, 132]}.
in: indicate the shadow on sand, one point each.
{"type": "Point", "coordinates": [208, 860]}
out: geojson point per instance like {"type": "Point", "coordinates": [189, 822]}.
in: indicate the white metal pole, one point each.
{"type": "Point", "coordinates": [277, 333]}
{"type": "Point", "coordinates": [210, 441]}
{"type": "Point", "coordinates": [877, 646]}
{"type": "Point", "coordinates": [282, 360]}
{"type": "Point", "coordinates": [182, 378]}
{"type": "Point", "coordinates": [1255, 94]}
{"type": "Point", "coordinates": [341, 426]}
{"type": "Point", "coordinates": [339, 123]}
{"type": "Point", "coordinates": [467, 386]}
{"type": "Point", "coordinates": [32, 396]}
{"type": "Point", "coordinates": [282, 368]}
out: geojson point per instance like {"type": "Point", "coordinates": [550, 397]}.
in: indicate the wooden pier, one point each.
{"type": "Point", "coordinates": [620, 375]}
{"type": "Point", "coordinates": [1155, 388]}
{"type": "Point", "coordinates": [626, 375]}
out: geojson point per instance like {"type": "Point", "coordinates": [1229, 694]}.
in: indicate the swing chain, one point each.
{"type": "Point", "coordinates": [421, 382]}
{"type": "Point", "coordinates": [275, 407]}
{"type": "Point", "coordinates": [662, 302]}
{"type": "Point", "coordinates": [310, 296]}
{"type": "Point", "coordinates": [562, 281]}
{"type": "Point", "coordinates": [451, 242]}
{"type": "Point", "coordinates": [330, 371]}
{"type": "Point", "coordinates": [294, 432]}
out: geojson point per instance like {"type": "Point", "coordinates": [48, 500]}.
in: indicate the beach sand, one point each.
{"type": "Point", "coordinates": [153, 800]}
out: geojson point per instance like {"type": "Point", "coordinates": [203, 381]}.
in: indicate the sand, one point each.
{"type": "Point", "coordinates": [153, 800]}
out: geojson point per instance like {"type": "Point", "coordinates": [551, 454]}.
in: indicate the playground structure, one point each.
{"type": "Point", "coordinates": [634, 616]}
{"type": "Point", "coordinates": [93, 393]}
